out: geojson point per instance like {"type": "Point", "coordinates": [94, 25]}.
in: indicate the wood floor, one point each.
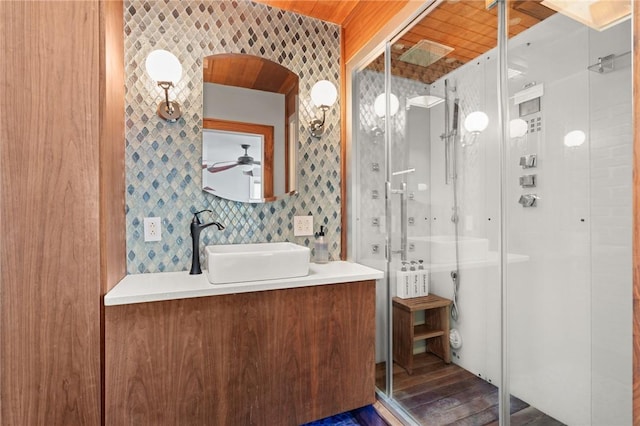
{"type": "Point", "coordinates": [441, 394]}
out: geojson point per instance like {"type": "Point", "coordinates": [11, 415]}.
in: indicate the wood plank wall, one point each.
{"type": "Point", "coordinates": [364, 21]}
{"type": "Point", "coordinates": [49, 213]}
{"type": "Point", "coordinates": [112, 167]}
{"type": "Point", "coordinates": [636, 214]}
{"type": "Point", "coordinates": [62, 231]}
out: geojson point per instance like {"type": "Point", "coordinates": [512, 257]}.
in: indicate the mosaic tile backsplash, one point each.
{"type": "Point", "coordinates": [163, 176]}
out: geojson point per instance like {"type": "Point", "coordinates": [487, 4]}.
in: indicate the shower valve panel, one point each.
{"type": "Point", "coordinates": [529, 161]}
{"type": "Point", "coordinates": [528, 200]}
{"type": "Point", "coordinates": [528, 181]}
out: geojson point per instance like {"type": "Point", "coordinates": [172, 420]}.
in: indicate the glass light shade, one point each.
{"type": "Point", "coordinates": [246, 167]}
{"type": "Point", "coordinates": [517, 128]}
{"type": "Point", "coordinates": [163, 66]}
{"type": "Point", "coordinates": [379, 105]}
{"type": "Point", "coordinates": [476, 122]}
{"type": "Point", "coordinates": [324, 93]}
{"type": "Point", "coordinates": [574, 138]}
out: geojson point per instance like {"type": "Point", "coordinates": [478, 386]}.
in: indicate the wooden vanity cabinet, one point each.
{"type": "Point", "coordinates": [279, 357]}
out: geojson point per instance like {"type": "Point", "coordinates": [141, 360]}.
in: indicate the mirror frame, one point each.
{"type": "Point", "coordinates": [258, 74]}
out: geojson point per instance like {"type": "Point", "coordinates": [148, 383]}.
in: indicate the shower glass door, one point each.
{"type": "Point", "coordinates": [427, 130]}
{"type": "Point", "coordinates": [444, 204]}
{"type": "Point", "coordinates": [569, 214]}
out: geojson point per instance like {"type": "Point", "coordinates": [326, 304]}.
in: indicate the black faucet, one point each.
{"type": "Point", "coordinates": [196, 227]}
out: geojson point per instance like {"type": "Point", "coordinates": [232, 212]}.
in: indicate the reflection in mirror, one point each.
{"type": "Point", "coordinates": [250, 123]}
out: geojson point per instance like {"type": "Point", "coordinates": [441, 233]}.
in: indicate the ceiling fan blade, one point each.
{"type": "Point", "coordinates": [216, 169]}
{"type": "Point", "coordinates": [257, 162]}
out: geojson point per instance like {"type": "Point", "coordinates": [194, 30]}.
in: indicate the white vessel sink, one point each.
{"type": "Point", "coordinates": [233, 263]}
{"type": "Point", "coordinates": [443, 249]}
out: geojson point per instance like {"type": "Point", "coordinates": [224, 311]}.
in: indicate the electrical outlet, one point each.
{"type": "Point", "coordinates": [302, 225]}
{"type": "Point", "coordinates": [152, 229]}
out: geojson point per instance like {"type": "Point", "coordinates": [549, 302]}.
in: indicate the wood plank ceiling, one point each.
{"type": "Point", "coordinates": [360, 19]}
{"type": "Point", "coordinates": [258, 73]}
{"type": "Point", "coordinates": [326, 10]}
{"type": "Point", "coordinates": [466, 26]}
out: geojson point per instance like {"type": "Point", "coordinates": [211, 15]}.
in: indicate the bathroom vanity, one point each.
{"type": "Point", "coordinates": [179, 350]}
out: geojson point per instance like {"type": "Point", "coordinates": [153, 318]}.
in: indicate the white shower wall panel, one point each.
{"type": "Point", "coordinates": [611, 214]}
{"type": "Point", "coordinates": [478, 191]}
{"type": "Point", "coordinates": [572, 288]}
{"type": "Point", "coordinates": [549, 305]}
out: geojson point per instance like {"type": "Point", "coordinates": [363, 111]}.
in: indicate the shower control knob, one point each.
{"type": "Point", "coordinates": [528, 200]}
{"type": "Point", "coordinates": [528, 161]}
{"type": "Point", "coordinates": [528, 181]}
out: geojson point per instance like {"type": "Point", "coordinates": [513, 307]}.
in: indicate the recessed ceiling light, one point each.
{"type": "Point", "coordinates": [425, 101]}
{"type": "Point", "coordinates": [515, 21]}
{"type": "Point", "coordinates": [597, 14]}
{"type": "Point", "coordinates": [398, 46]}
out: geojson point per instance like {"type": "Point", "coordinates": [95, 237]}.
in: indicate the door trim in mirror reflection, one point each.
{"type": "Point", "coordinates": [236, 127]}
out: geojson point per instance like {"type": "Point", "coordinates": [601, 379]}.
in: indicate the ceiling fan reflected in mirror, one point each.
{"type": "Point", "coordinates": [245, 161]}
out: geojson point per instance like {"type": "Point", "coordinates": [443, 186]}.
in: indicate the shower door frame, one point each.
{"type": "Point", "coordinates": [373, 48]}
{"type": "Point", "coordinates": [384, 47]}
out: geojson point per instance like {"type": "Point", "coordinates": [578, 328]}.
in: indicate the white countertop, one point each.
{"type": "Point", "coordinates": [140, 288]}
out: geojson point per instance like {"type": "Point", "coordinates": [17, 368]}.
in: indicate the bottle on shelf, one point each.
{"type": "Point", "coordinates": [413, 277]}
{"type": "Point", "coordinates": [423, 279]}
{"type": "Point", "coordinates": [403, 287]}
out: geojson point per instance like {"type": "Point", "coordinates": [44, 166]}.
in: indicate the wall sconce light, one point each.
{"type": "Point", "coordinates": [165, 69]}
{"type": "Point", "coordinates": [574, 139]}
{"type": "Point", "coordinates": [475, 123]}
{"type": "Point", "coordinates": [380, 109]}
{"type": "Point", "coordinates": [517, 128]}
{"type": "Point", "coordinates": [323, 96]}
{"type": "Point", "coordinates": [380, 105]}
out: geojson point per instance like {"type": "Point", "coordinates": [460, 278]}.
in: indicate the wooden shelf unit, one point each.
{"type": "Point", "coordinates": [435, 329]}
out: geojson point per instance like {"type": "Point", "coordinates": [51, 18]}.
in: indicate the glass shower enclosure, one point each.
{"type": "Point", "coordinates": [492, 155]}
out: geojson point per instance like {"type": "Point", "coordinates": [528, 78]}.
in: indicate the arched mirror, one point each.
{"type": "Point", "coordinates": [249, 128]}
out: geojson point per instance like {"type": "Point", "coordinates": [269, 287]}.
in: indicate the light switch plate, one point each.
{"type": "Point", "coordinates": [152, 229]}
{"type": "Point", "coordinates": [302, 226]}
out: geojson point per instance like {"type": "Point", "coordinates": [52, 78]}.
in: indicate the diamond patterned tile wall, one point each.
{"type": "Point", "coordinates": [162, 159]}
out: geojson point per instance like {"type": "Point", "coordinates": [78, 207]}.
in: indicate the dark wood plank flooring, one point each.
{"type": "Point", "coordinates": [441, 394]}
